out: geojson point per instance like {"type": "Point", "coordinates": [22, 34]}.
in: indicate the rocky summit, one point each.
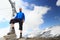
{"type": "Point", "coordinates": [13, 37]}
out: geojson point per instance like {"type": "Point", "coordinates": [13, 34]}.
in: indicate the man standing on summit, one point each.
{"type": "Point", "coordinates": [20, 17]}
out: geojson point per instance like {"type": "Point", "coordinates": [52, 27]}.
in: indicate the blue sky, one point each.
{"type": "Point", "coordinates": [52, 17]}
{"type": "Point", "coordinates": [4, 24]}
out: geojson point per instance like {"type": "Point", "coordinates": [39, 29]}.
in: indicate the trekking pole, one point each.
{"type": "Point", "coordinates": [13, 8]}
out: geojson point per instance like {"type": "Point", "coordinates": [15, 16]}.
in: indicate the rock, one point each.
{"type": "Point", "coordinates": [2, 38]}
{"type": "Point", "coordinates": [10, 37]}
{"type": "Point", "coordinates": [22, 39]}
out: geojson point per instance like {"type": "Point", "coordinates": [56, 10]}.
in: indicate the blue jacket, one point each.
{"type": "Point", "coordinates": [20, 15]}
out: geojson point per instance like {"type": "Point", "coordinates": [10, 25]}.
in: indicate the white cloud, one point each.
{"type": "Point", "coordinates": [33, 18]}
{"type": "Point", "coordinates": [5, 10]}
{"type": "Point", "coordinates": [4, 4]}
{"type": "Point", "coordinates": [58, 3]}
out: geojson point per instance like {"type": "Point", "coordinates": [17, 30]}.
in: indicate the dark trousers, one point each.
{"type": "Point", "coordinates": [12, 21]}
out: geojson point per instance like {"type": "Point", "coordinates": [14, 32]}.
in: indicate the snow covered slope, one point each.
{"type": "Point", "coordinates": [48, 32]}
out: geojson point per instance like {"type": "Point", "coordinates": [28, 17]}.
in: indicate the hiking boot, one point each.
{"type": "Point", "coordinates": [20, 35]}
{"type": "Point", "coordinates": [11, 32]}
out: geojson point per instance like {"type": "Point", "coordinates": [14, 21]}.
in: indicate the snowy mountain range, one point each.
{"type": "Point", "coordinates": [48, 32]}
